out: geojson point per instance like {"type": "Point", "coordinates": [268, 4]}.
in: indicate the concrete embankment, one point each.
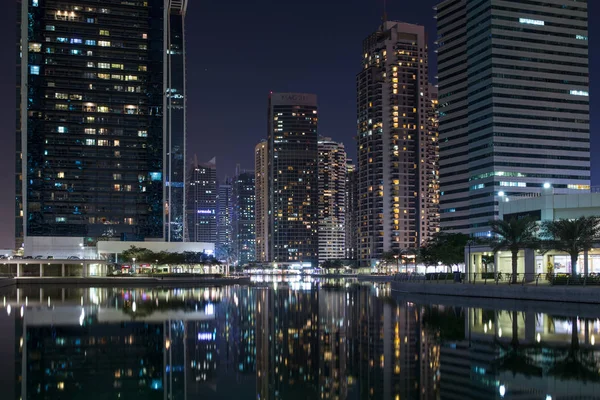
{"type": "Point", "coordinates": [126, 281]}
{"type": "Point", "coordinates": [565, 294]}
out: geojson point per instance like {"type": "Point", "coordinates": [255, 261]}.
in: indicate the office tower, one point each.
{"type": "Point", "coordinates": [293, 170]}
{"type": "Point", "coordinates": [224, 245]}
{"type": "Point", "coordinates": [332, 199]}
{"type": "Point", "coordinates": [351, 222]}
{"type": "Point", "coordinates": [395, 147]}
{"type": "Point", "coordinates": [261, 202]}
{"type": "Point", "coordinates": [100, 119]}
{"type": "Point", "coordinates": [202, 202]}
{"type": "Point", "coordinates": [514, 105]}
{"type": "Point", "coordinates": [243, 221]}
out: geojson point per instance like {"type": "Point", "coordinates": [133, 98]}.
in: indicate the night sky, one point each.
{"type": "Point", "coordinates": [239, 50]}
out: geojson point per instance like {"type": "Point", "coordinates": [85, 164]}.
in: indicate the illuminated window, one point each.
{"type": "Point", "coordinates": [143, 133]}
{"type": "Point", "coordinates": [104, 65]}
{"type": "Point", "coordinates": [531, 21]}
{"type": "Point", "coordinates": [116, 66]}
{"type": "Point", "coordinates": [104, 43]}
{"type": "Point", "coordinates": [90, 131]}
{"type": "Point", "coordinates": [60, 175]}
{"type": "Point", "coordinates": [103, 109]}
{"type": "Point", "coordinates": [62, 129]}
{"type": "Point", "coordinates": [90, 42]}
{"type": "Point", "coordinates": [104, 76]}
{"type": "Point", "coordinates": [35, 47]}
{"type": "Point", "coordinates": [104, 32]}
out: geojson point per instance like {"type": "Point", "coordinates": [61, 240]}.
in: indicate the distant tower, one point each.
{"type": "Point", "coordinates": [332, 199]}
{"type": "Point", "coordinates": [351, 220]}
{"type": "Point", "coordinates": [243, 220]}
{"type": "Point", "coordinates": [202, 202]}
{"type": "Point", "coordinates": [396, 148]}
{"type": "Point", "coordinates": [224, 245]}
{"type": "Point", "coordinates": [261, 201]}
{"type": "Point", "coordinates": [293, 171]}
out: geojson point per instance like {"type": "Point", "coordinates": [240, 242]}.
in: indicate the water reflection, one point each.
{"type": "Point", "coordinates": [287, 340]}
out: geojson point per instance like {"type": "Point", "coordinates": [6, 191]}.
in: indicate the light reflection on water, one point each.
{"type": "Point", "coordinates": [289, 340]}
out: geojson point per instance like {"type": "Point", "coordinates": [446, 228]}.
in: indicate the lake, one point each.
{"type": "Point", "coordinates": [291, 340]}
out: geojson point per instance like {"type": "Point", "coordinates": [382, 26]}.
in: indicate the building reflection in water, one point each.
{"type": "Point", "coordinates": [286, 340]}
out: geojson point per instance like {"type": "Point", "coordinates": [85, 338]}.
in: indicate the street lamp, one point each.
{"type": "Point", "coordinates": [133, 266]}
{"type": "Point", "coordinates": [397, 263]}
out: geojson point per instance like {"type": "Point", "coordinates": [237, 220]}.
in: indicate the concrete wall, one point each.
{"type": "Point", "coordinates": [567, 294]}
{"type": "Point", "coordinates": [58, 247]}
{"type": "Point", "coordinates": [171, 247]}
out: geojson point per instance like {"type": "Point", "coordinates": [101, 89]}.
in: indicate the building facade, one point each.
{"type": "Point", "coordinates": [95, 119]}
{"type": "Point", "coordinates": [225, 199]}
{"type": "Point", "coordinates": [293, 172]}
{"type": "Point", "coordinates": [202, 203]}
{"type": "Point", "coordinates": [514, 104]}
{"type": "Point", "coordinates": [244, 218]}
{"type": "Point", "coordinates": [332, 200]}
{"type": "Point", "coordinates": [261, 201]}
{"type": "Point", "coordinates": [395, 144]}
{"type": "Point", "coordinates": [351, 221]}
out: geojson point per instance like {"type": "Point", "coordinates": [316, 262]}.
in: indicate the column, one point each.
{"type": "Point", "coordinates": [18, 269]}
{"type": "Point", "coordinates": [529, 265]}
{"type": "Point", "coordinates": [41, 270]}
{"type": "Point", "coordinates": [62, 270]}
{"type": "Point", "coordinates": [586, 260]}
{"type": "Point", "coordinates": [496, 262]}
{"type": "Point", "coordinates": [84, 273]}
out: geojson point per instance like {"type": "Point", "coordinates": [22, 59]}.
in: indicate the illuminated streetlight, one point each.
{"type": "Point", "coordinates": [502, 390]}
{"type": "Point", "coordinates": [547, 185]}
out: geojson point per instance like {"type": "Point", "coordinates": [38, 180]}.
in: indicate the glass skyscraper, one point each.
{"type": "Point", "coordinates": [100, 119]}
{"type": "Point", "coordinates": [244, 218]}
{"type": "Point", "coordinates": [293, 172]}
{"type": "Point", "coordinates": [513, 105]}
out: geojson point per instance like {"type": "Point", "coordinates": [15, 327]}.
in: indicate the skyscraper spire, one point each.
{"type": "Point", "coordinates": [384, 17]}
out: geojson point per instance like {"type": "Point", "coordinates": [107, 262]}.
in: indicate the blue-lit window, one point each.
{"type": "Point", "coordinates": [90, 42]}
{"type": "Point", "coordinates": [156, 176]}
{"type": "Point", "coordinates": [76, 41]}
{"type": "Point", "coordinates": [34, 3]}
{"type": "Point", "coordinates": [34, 69]}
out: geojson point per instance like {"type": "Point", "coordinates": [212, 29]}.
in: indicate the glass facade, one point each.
{"type": "Point", "coordinates": [223, 247]}
{"type": "Point", "coordinates": [91, 129]}
{"type": "Point", "coordinates": [175, 122]}
{"type": "Point", "coordinates": [293, 171]}
{"type": "Point", "coordinates": [514, 105]}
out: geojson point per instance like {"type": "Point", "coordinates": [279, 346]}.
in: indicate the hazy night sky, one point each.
{"type": "Point", "coordinates": [238, 51]}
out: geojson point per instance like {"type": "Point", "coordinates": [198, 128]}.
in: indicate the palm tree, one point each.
{"type": "Point", "coordinates": [513, 235]}
{"type": "Point", "coordinates": [572, 236]}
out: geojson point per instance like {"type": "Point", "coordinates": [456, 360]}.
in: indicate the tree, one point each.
{"type": "Point", "coordinates": [571, 236]}
{"type": "Point", "coordinates": [445, 248]}
{"type": "Point", "coordinates": [513, 235]}
{"type": "Point", "coordinates": [487, 260]}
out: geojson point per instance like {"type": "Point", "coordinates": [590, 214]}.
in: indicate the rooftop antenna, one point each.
{"type": "Point", "coordinates": [384, 18]}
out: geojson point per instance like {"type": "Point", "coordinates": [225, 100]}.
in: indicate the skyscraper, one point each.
{"type": "Point", "coordinates": [202, 203]}
{"type": "Point", "coordinates": [225, 199]}
{"type": "Point", "coordinates": [514, 105]}
{"type": "Point", "coordinates": [100, 119]}
{"type": "Point", "coordinates": [332, 199]}
{"type": "Point", "coordinates": [243, 221]}
{"type": "Point", "coordinates": [395, 146]}
{"type": "Point", "coordinates": [293, 171]}
{"type": "Point", "coordinates": [261, 201]}
{"type": "Point", "coordinates": [351, 221]}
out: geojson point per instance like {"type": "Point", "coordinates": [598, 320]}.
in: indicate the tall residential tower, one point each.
{"type": "Point", "coordinates": [332, 200]}
{"type": "Point", "coordinates": [201, 203]}
{"type": "Point", "coordinates": [293, 170]}
{"type": "Point", "coordinates": [396, 147]}
{"type": "Point", "coordinates": [261, 201]}
{"type": "Point", "coordinates": [514, 104]}
{"type": "Point", "coordinates": [100, 120]}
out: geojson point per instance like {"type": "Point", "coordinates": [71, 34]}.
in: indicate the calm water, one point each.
{"type": "Point", "coordinates": [290, 341]}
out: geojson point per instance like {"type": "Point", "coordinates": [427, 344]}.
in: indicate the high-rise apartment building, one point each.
{"type": "Point", "coordinates": [514, 104]}
{"type": "Point", "coordinates": [293, 171]}
{"type": "Point", "coordinates": [261, 201]}
{"type": "Point", "coordinates": [244, 218]}
{"type": "Point", "coordinates": [100, 119]}
{"type": "Point", "coordinates": [351, 220]}
{"type": "Point", "coordinates": [202, 203]}
{"type": "Point", "coordinates": [332, 200]}
{"type": "Point", "coordinates": [396, 147]}
{"type": "Point", "coordinates": [225, 199]}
